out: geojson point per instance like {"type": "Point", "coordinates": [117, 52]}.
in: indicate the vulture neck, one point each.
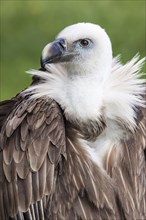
{"type": "Point", "coordinates": [83, 105]}
{"type": "Point", "coordinates": [84, 98]}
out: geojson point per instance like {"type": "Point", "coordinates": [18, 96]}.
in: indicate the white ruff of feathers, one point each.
{"type": "Point", "coordinates": [82, 97]}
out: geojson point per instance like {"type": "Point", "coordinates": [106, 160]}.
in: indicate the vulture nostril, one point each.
{"type": "Point", "coordinates": [63, 46]}
{"type": "Point", "coordinates": [62, 43]}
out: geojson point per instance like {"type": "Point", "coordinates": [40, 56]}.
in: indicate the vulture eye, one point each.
{"type": "Point", "coordinates": [84, 42]}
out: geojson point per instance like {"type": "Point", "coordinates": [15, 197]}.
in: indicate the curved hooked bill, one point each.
{"type": "Point", "coordinates": [55, 52]}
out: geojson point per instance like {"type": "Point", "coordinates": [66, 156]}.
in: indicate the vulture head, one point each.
{"type": "Point", "coordinates": [83, 49]}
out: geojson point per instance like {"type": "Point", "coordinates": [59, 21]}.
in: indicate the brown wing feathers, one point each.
{"type": "Point", "coordinates": [130, 173]}
{"type": "Point", "coordinates": [33, 140]}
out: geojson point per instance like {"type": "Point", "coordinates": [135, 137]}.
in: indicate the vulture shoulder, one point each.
{"type": "Point", "coordinates": [5, 108]}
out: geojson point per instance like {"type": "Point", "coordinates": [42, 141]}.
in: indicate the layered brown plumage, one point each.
{"type": "Point", "coordinates": [46, 174]}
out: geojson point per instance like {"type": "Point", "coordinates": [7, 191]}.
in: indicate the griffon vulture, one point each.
{"type": "Point", "coordinates": [73, 143]}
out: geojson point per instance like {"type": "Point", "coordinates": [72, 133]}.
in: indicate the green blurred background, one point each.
{"type": "Point", "coordinates": [26, 26]}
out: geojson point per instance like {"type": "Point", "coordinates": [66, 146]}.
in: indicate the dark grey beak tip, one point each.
{"type": "Point", "coordinates": [42, 64]}
{"type": "Point", "coordinates": [54, 53]}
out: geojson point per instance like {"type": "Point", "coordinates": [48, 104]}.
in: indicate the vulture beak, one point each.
{"type": "Point", "coordinates": [55, 52]}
